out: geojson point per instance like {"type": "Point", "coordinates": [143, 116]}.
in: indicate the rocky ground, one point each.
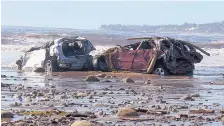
{"type": "Point", "coordinates": [92, 98]}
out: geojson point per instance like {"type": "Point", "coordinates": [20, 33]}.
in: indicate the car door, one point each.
{"type": "Point", "coordinates": [141, 59]}
{"type": "Point", "coordinates": [125, 59]}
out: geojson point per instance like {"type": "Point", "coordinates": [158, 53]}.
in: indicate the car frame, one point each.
{"type": "Point", "coordinates": [157, 55]}
{"type": "Point", "coordinates": [55, 58]}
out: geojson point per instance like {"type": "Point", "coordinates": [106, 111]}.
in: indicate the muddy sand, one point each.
{"type": "Point", "coordinates": [109, 99]}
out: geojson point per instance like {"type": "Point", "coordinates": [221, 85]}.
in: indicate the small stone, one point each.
{"type": "Point", "coordinates": [52, 86]}
{"type": "Point", "coordinates": [127, 112]}
{"type": "Point", "coordinates": [3, 76]}
{"type": "Point", "coordinates": [92, 79]}
{"type": "Point", "coordinates": [40, 94]}
{"type": "Point", "coordinates": [20, 124]}
{"type": "Point", "coordinates": [121, 89]}
{"type": "Point", "coordinates": [148, 82]}
{"type": "Point", "coordinates": [5, 114]}
{"type": "Point", "coordinates": [90, 97]}
{"type": "Point", "coordinates": [100, 113]}
{"type": "Point", "coordinates": [107, 81]}
{"type": "Point", "coordinates": [195, 95]}
{"type": "Point", "coordinates": [5, 85]}
{"type": "Point", "coordinates": [106, 89]}
{"type": "Point", "coordinates": [101, 75]}
{"type": "Point", "coordinates": [24, 79]}
{"type": "Point", "coordinates": [82, 123]}
{"type": "Point", "coordinates": [187, 97]}
{"type": "Point", "coordinates": [128, 80]}
{"type": "Point", "coordinates": [65, 104]}
{"type": "Point", "coordinates": [222, 119]}
{"type": "Point", "coordinates": [16, 104]}
{"type": "Point", "coordinates": [82, 94]}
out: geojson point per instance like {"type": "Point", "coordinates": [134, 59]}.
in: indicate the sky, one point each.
{"type": "Point", "coordinates": [92, 14]}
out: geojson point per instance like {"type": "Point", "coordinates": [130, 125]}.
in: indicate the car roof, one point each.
{"type": "Point", "coordinates": [78, 38]}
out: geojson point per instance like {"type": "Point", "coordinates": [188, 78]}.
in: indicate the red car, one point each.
{"type": "Point", "coordinates": [156, 55]}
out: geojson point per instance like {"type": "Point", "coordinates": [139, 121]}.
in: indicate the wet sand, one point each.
{"type": "Point", "coordinates": [67, 97]}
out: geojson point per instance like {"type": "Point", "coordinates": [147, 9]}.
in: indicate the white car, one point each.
{"type": "Point", "coordinates": [69, 53]}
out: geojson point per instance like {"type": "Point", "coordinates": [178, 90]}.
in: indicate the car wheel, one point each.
{"type": "Point", "coordinates": [95, 64]}
{"type": "Point", "coordinates": [48, 67]}
{"type": "Point", "coordinates": [160, 70]}
{"type": "Point", "coordinates": [51, 66]}
{"type": "Point", "coordinates": [102, 64]}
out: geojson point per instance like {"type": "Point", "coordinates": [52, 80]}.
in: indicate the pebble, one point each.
{"type": "Point", "coordinates": [92, 79]}
{"type": "Point", "coordinates": [187, 97]}
{"type": "Point", "coordinates": [128, 80]}
{"type": "Point", "coordinates": [5, 114]}
{"type": "Point", "coordinates": [3, 76]}
{"type": "Point", "coordinates": [101, 75]}
{"type": "Point", "coordinates": [20, 124]}
{"type": "Point", "coordinates": [127, 112]}
{"type": "Point", "coordinates": [82, 123]}
{"type": "Point", "coordinates": [148, 82]}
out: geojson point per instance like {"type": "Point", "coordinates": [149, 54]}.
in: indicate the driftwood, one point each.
{"type": "Point", "coordinates": [151, 111]}
{"type": "Point", "coordinates": [201, 111]}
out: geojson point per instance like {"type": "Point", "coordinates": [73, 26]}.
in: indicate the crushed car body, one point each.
{"type": "Point", "coordinates": [158, 55]}
{"type": "Point", "coordinates": [69, 53]}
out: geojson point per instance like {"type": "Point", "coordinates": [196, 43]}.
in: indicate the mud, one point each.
{"type": "Point", "coordinates": [66, 97]}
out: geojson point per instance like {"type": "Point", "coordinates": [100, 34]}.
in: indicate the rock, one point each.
{"type": "Point", "coordinates": [195, 95]}
{"type": "Point", "coordinates": [107, 81]}
{"type": "Point", "coordinates": [20, 124]}
{"type": "Point", "coordinates": [121, 89]}
{"type": "Point", "coordinates": [222, 119]}
{"type": "Point", "coordinates": [187, 97]}
{"type": "Point", "coordinates": [128, 80]}
{"type": "Point", "coordinates": [148, 82]}
{"type": "Point", "coordinates": [90, 97]}
{"type": "Point", "coordinates": [82, 94]}
{"type": "Point", "coordinates": [3, 76]}
{"type": "Point", "coordinates": [222, 111]}
{"type": "Point", "coordinates": [53, 86]}
{"type": "Point", "coordinates": [5, 114]}
{"type": "Point", "coordinates": [82, 123]}
{"type": "Point", "coordinates": [108, 77]}
{"type": "Point", "coordinates": [100, 113]}
{"type": "Point", "coordinates": [16, 104]}
{"type": "Point", "coordinates": [5, 85]}
{"type": "Point", "coordinates": [24, 79]}
{"type": "Point", "coordinates": [101, 75]}
{"type": "Point", "coordinates": [92, 79]}
{"type": "Point", "coordinates": [40, 94]}
{"type": "Point", "coordinates": [127, 112]}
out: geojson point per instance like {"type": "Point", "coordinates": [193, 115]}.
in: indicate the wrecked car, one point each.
{"type": "Point", "coordinates": [69, 53]}
{"type": "Point", "coordinates": [157, 55]}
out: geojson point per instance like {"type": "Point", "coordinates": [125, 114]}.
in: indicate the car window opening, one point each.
{"type": "Point", "coordinates": [71, 49]}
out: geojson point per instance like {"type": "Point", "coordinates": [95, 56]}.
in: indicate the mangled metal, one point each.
{"type": "Point", "coordinates": [69, 53]}
{"type": "Point", "coordinates": [158, 55]}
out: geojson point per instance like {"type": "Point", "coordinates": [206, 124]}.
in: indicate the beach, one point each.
{"type": "Point", "coordinates": [65, 97]}
{"type": "Point", "coordinates": [99, 102]}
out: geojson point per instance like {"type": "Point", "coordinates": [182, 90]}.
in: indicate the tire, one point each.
{"type": "Point", "coordinates": [190, 73]}
{"type": "Point", "coordinates": [95, 64]}
{"type": "Point", "coordinates": [89, 64]}
{"type": "Point", "coordinates": [100, 64]}
{"type": "Point", "coordinates": [160, 70]}
{"type": "Point", "coordinates": [51, 65]}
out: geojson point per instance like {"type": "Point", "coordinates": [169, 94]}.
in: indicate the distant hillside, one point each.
{"type": "Point", "coordinates": [216, 27]}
